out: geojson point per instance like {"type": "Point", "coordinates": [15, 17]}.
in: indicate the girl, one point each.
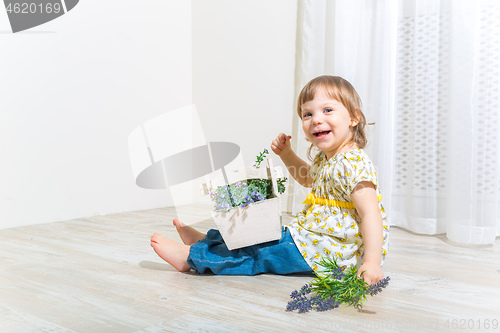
{"type": "Point", "coordinates": [344, 217]}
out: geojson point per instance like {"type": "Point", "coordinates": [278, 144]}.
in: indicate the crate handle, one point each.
{"type": "Point", "coordinates": [208, 186]}
{"type": "Point", "coordinates": [274, 181]}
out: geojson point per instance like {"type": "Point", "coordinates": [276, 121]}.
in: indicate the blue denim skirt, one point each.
{"type": "Point", "coordinates": [211, 255]}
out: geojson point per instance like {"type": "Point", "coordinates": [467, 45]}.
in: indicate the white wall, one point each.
{"type": "Point", "coordinates": [71, 91]}
{"type": "Point", "coordinates": [243, 70]}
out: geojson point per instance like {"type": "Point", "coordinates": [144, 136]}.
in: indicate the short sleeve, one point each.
{"type": "Point", "coordinates": [356, 168]}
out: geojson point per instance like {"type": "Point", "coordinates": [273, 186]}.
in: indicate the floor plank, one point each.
{"type": "Point", "coordinates": [100, 275]}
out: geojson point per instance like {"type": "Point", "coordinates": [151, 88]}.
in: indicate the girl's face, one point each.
{"type": "Point", "coordinates": [327, 124]}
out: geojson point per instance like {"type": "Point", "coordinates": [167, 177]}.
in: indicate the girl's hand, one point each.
{"type": "Point", "coordinates": [371, 273]}
{"type": "Point", "coordinates": [281, 143]}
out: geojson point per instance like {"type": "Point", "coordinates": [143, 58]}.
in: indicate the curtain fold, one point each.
{"type": "Point", "coordinates": [428, 72]}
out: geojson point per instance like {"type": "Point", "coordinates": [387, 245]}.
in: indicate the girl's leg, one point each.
{"type": "Point", "coordinates": [280, 257]}
{"type": "Point", "coordinates": [174, 253]}
{"type": "Point", "coordinates": [188, 234]}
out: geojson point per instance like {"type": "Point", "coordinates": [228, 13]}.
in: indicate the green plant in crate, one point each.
{"type": "Point", "coordinates": [243, 193]}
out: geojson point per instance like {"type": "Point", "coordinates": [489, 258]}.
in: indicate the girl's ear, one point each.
{"type": "Point", "coordinates": [355, 120]}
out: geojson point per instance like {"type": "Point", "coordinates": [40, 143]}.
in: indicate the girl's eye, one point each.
{"type": "Point", "coordinates": [328, 110]}
{"type": "Point", "coordinates": [306, 115]}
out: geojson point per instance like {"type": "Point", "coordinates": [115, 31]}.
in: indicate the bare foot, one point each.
{"type": "Point", "coordinates": [174, 253]}
{"type": "Point", "coordinates": [188, 234]}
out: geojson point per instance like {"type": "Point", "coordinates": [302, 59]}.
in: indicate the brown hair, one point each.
{"type": "Point", "coordinates": [340, 89]}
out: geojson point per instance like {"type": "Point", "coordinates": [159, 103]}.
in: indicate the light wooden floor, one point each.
{"type": "Point", "coordinates": [100, 275]}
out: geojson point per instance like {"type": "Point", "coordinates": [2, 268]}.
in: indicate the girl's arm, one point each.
{"type": "Point", "coordinates": [297, 167]}
{"type": "Point", "coordinates": [364, 197]}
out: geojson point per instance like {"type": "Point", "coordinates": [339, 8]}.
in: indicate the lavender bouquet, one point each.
{"type": "Point", "coordinates": [243, 193]}
{"type": "Point", "coordinates": [333, 286]}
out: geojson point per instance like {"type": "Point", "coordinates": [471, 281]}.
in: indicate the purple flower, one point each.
{"type": "Point", "coordinates": [303, 304]}
{"type": "Point", "coordinates": [374, 289]}
{"type": "Point", "coordinates": [338, 273]}
{"type": "Point", "coordinates": [327, 304]}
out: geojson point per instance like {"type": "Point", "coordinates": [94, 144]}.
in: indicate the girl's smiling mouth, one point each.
{"type": "Point", "coordinates": [321, 134]}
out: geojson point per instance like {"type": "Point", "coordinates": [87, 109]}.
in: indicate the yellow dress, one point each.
{"type": "Point", "coordinates": [335, 230]}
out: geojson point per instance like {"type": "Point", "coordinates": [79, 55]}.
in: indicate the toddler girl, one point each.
{"type": "Point", "coordinates": [343, 218]}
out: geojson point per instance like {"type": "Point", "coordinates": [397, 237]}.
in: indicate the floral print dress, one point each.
{"type": "Point", "coordinates": [334, 230]}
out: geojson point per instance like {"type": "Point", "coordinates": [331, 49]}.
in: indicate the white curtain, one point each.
{"type": "Point", "coordinates": [428, 72]}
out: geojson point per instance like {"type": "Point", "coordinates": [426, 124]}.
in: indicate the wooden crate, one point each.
{"type": "Point", "coordinates": [259, 222]}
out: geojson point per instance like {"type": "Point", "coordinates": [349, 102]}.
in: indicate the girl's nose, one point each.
{"type": "Point", "coordinates": [317, 119]}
